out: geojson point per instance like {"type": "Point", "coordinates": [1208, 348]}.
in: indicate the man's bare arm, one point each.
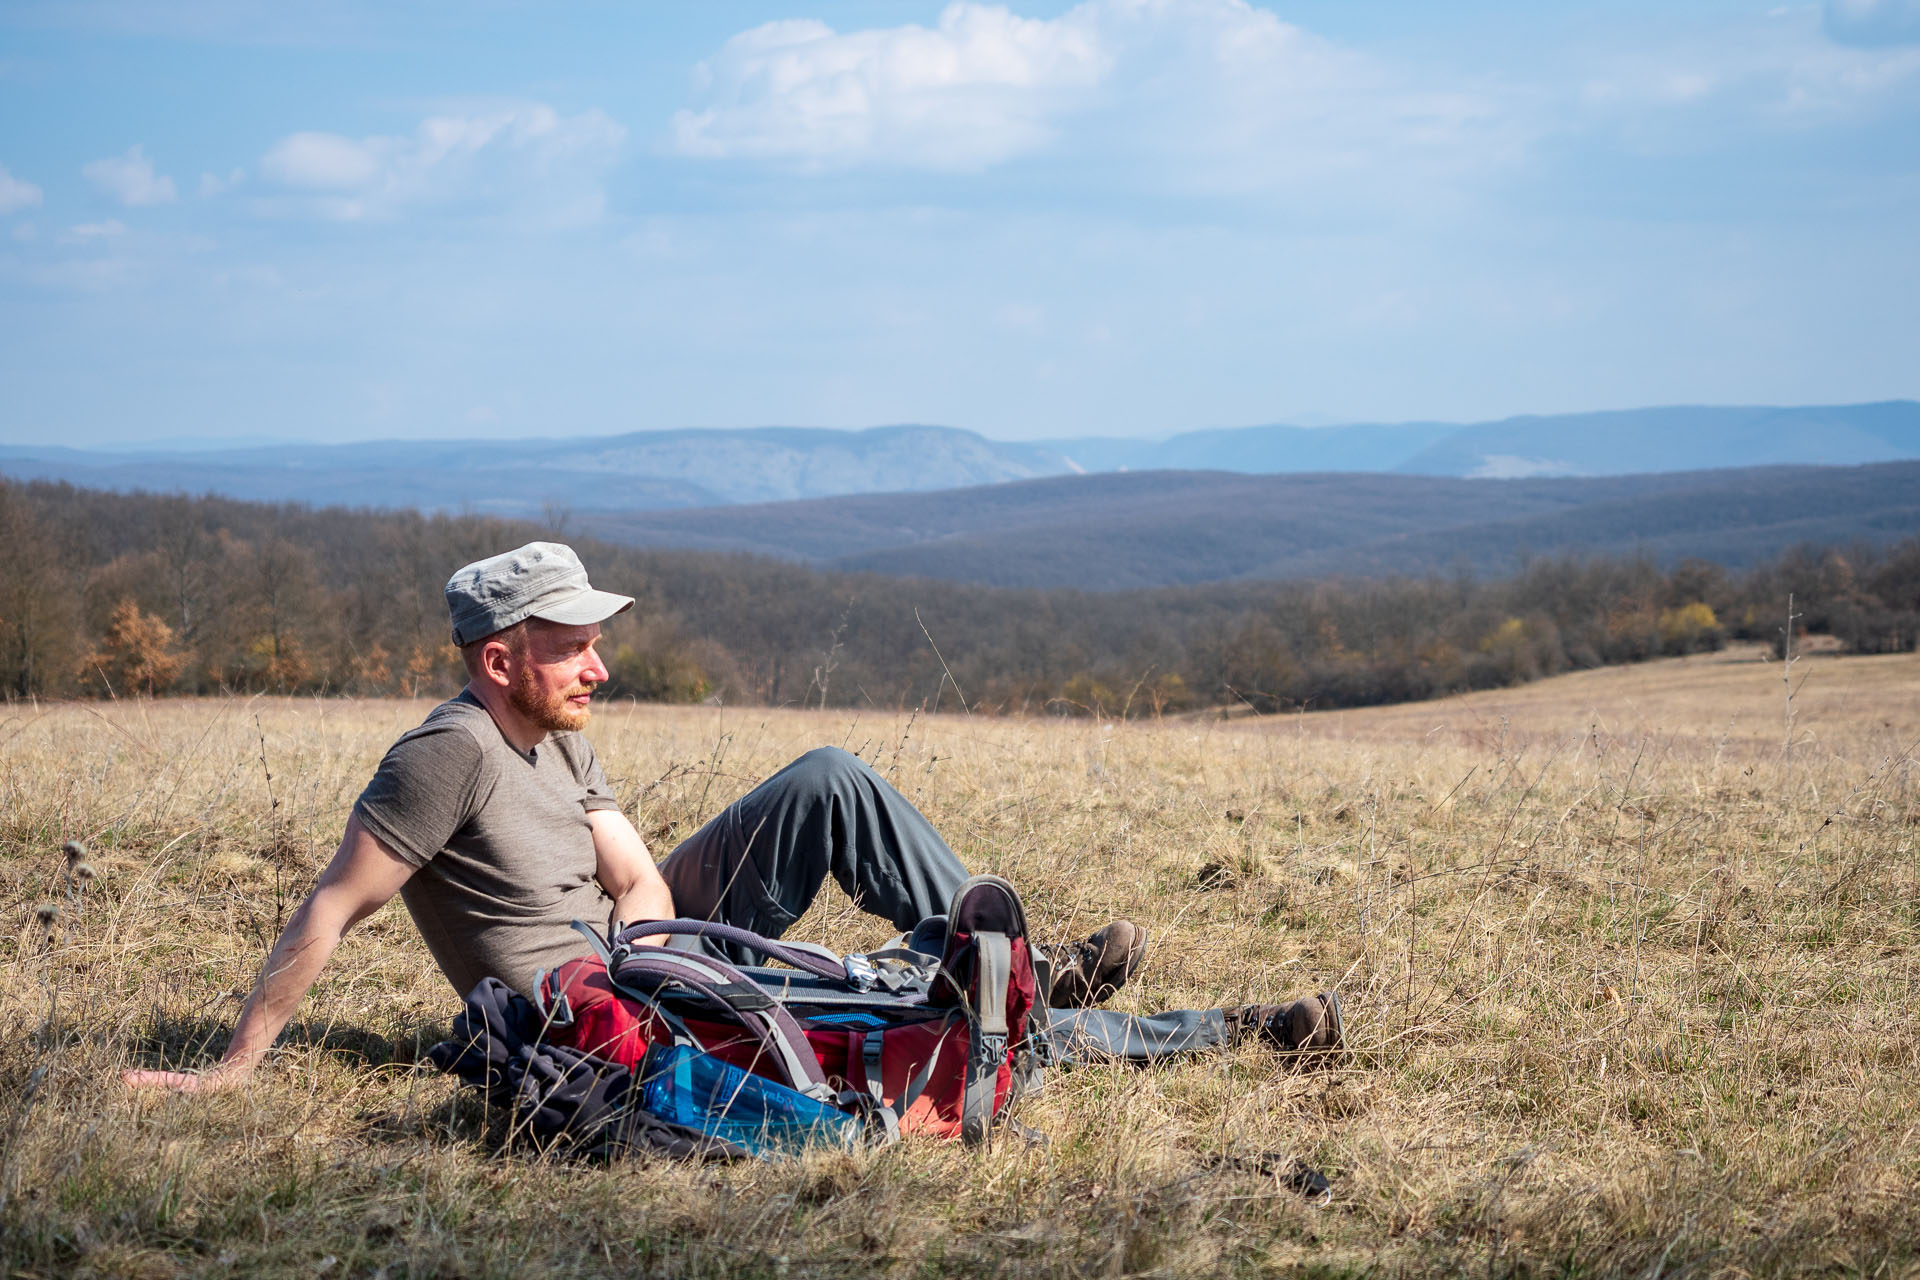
{"type": "Point", "coordinates": [625, 869]}
{"type": "Point", "coordinates": [363, 875]}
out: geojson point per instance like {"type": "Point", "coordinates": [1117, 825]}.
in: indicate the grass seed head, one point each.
{"type": "Point", "coordinates": [47, 913]}
{"type": "Point", "coordinates": [75, 851]}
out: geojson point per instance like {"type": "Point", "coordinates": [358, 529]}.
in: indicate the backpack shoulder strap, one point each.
{"type": "Point", "coordinates": [976, 971]}
{"type": "Point", "coordinates": [644, 970]}
{"type": "Point", "coordinates": [809, 959]}
{"type": "Point", "coordinates": [594, 940]}
{"type": "Point", "coordinates": [987, 1034]}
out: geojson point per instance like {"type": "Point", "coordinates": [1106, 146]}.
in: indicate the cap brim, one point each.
{"type": "Point", "coordinates": [589, 606]}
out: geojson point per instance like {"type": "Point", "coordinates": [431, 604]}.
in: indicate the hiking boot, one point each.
{"type": "Point", "coordinates": [1089, 971]}
{"type": "Point", "coordinates": [1311, 1024]}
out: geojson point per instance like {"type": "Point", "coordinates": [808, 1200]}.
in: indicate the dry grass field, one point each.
{"type": "Point", "coordinates": [1630, 992]}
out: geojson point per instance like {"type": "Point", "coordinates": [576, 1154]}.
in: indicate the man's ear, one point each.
{"type": "Point", "coordinates": [496, 663]}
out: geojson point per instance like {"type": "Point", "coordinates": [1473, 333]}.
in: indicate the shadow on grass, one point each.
{"type": "Point", "coordinates": [466, 1117]}
{"type": "Point", "coordinates": [194, 1042]}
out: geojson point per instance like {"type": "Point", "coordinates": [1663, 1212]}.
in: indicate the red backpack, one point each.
{"type": "Point", "coordinates": [911, 1042]}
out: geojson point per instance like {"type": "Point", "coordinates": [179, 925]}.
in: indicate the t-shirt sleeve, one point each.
{"type": "Point", "coordinates": [586, 767]}
{"type": "Point", "coordinates": [423, 791]}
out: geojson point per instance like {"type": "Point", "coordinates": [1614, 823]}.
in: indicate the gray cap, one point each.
{"type": "Point", "coordinates": [540, 580]}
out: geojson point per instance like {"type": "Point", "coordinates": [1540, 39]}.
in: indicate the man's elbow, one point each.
{"type": "Point", "coordinates": [328, 915]}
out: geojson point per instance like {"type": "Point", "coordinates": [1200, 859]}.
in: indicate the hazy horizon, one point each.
{"type": "Point", "coordinates": [213, 444]}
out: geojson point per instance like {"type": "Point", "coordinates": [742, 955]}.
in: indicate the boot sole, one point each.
{"type": "Point", "coordinates": [1336, 1025]}
{"type": "Point", "coordinates": [1136, 956]}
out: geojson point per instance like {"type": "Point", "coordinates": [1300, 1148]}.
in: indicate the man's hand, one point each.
{"type": "Point", "coordinates": [217, 1079]}
{"type": "Point", "coordinates": [364, 873]}
{"type": "Point", "coordinates": [626, 871]}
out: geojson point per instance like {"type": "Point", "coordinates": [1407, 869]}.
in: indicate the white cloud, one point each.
{"type": "Point", "coordinates": [1240, 100]}
{"type": "Point", "coordinates": [130, 179]}
{"type": "Point", "coordinates": [1223, 93]}
{"type": "Point", "coordinates": [16, 193]}
{"type": "Point", "coordinates": [327, 161]}
{"type": "Point", "coordinates": [1873, 22]}
{"type": "Point", "coordinates": [529, 158]}
{"type": "Point", "coordinates": [212, 185]}
{"type": "Point", "coordinates": [1775, 69]}
{"type": "Point", "coordinates": [106, 230]}
{"type": "Point", "coordinates": [1223, 98]}
{"type": "Point", "coordinates": [980, 86]}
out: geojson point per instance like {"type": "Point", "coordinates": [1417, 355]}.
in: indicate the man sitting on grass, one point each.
{"type": "Point", "coordinates": [495, 823]}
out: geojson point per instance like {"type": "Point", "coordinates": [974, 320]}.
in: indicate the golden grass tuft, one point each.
{"type": "Point", "coordinates": [1631, 993]}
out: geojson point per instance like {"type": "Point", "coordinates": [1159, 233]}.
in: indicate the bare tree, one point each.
{"type": "Point", "coordinates": [39, 616]}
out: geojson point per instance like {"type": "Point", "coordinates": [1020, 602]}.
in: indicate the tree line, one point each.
{"type": "Point", "coordinates": [119, 594]}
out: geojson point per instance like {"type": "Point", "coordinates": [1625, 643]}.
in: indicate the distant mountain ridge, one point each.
{"type": "Point", "coordinates": [1610, 443]}
{"type": "Point", "coordinates": [665, 470]}
{"type": "Point", "coordinates": [524, 478]}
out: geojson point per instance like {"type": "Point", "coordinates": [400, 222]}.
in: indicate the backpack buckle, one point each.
{"type": "Point", "coordinates": [861, 973]}
{"type": "Point", "coordinates": [991, 1048]}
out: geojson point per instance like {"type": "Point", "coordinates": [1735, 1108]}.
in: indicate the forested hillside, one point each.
{"type": "Point", "coordinates": [114, 594]}
{"type": "Point", "coordinates": [1166, 528]}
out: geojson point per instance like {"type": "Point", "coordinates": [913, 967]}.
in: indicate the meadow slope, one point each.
{"type": "Point", "coordinates": [1630, 992]}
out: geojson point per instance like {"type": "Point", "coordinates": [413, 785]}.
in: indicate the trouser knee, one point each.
{"type": "Point", "coordinates": [826, 769]}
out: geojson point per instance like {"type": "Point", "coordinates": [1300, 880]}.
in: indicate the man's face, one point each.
{"type": "Point", "coordinates": [557, 670]}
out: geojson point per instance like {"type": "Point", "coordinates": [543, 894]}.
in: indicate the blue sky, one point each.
{"type": "Point", "coordinates": [340, 221]}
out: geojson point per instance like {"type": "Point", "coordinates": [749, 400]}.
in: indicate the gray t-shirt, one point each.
{"type": "Point", "coordinates": [499, 839]}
